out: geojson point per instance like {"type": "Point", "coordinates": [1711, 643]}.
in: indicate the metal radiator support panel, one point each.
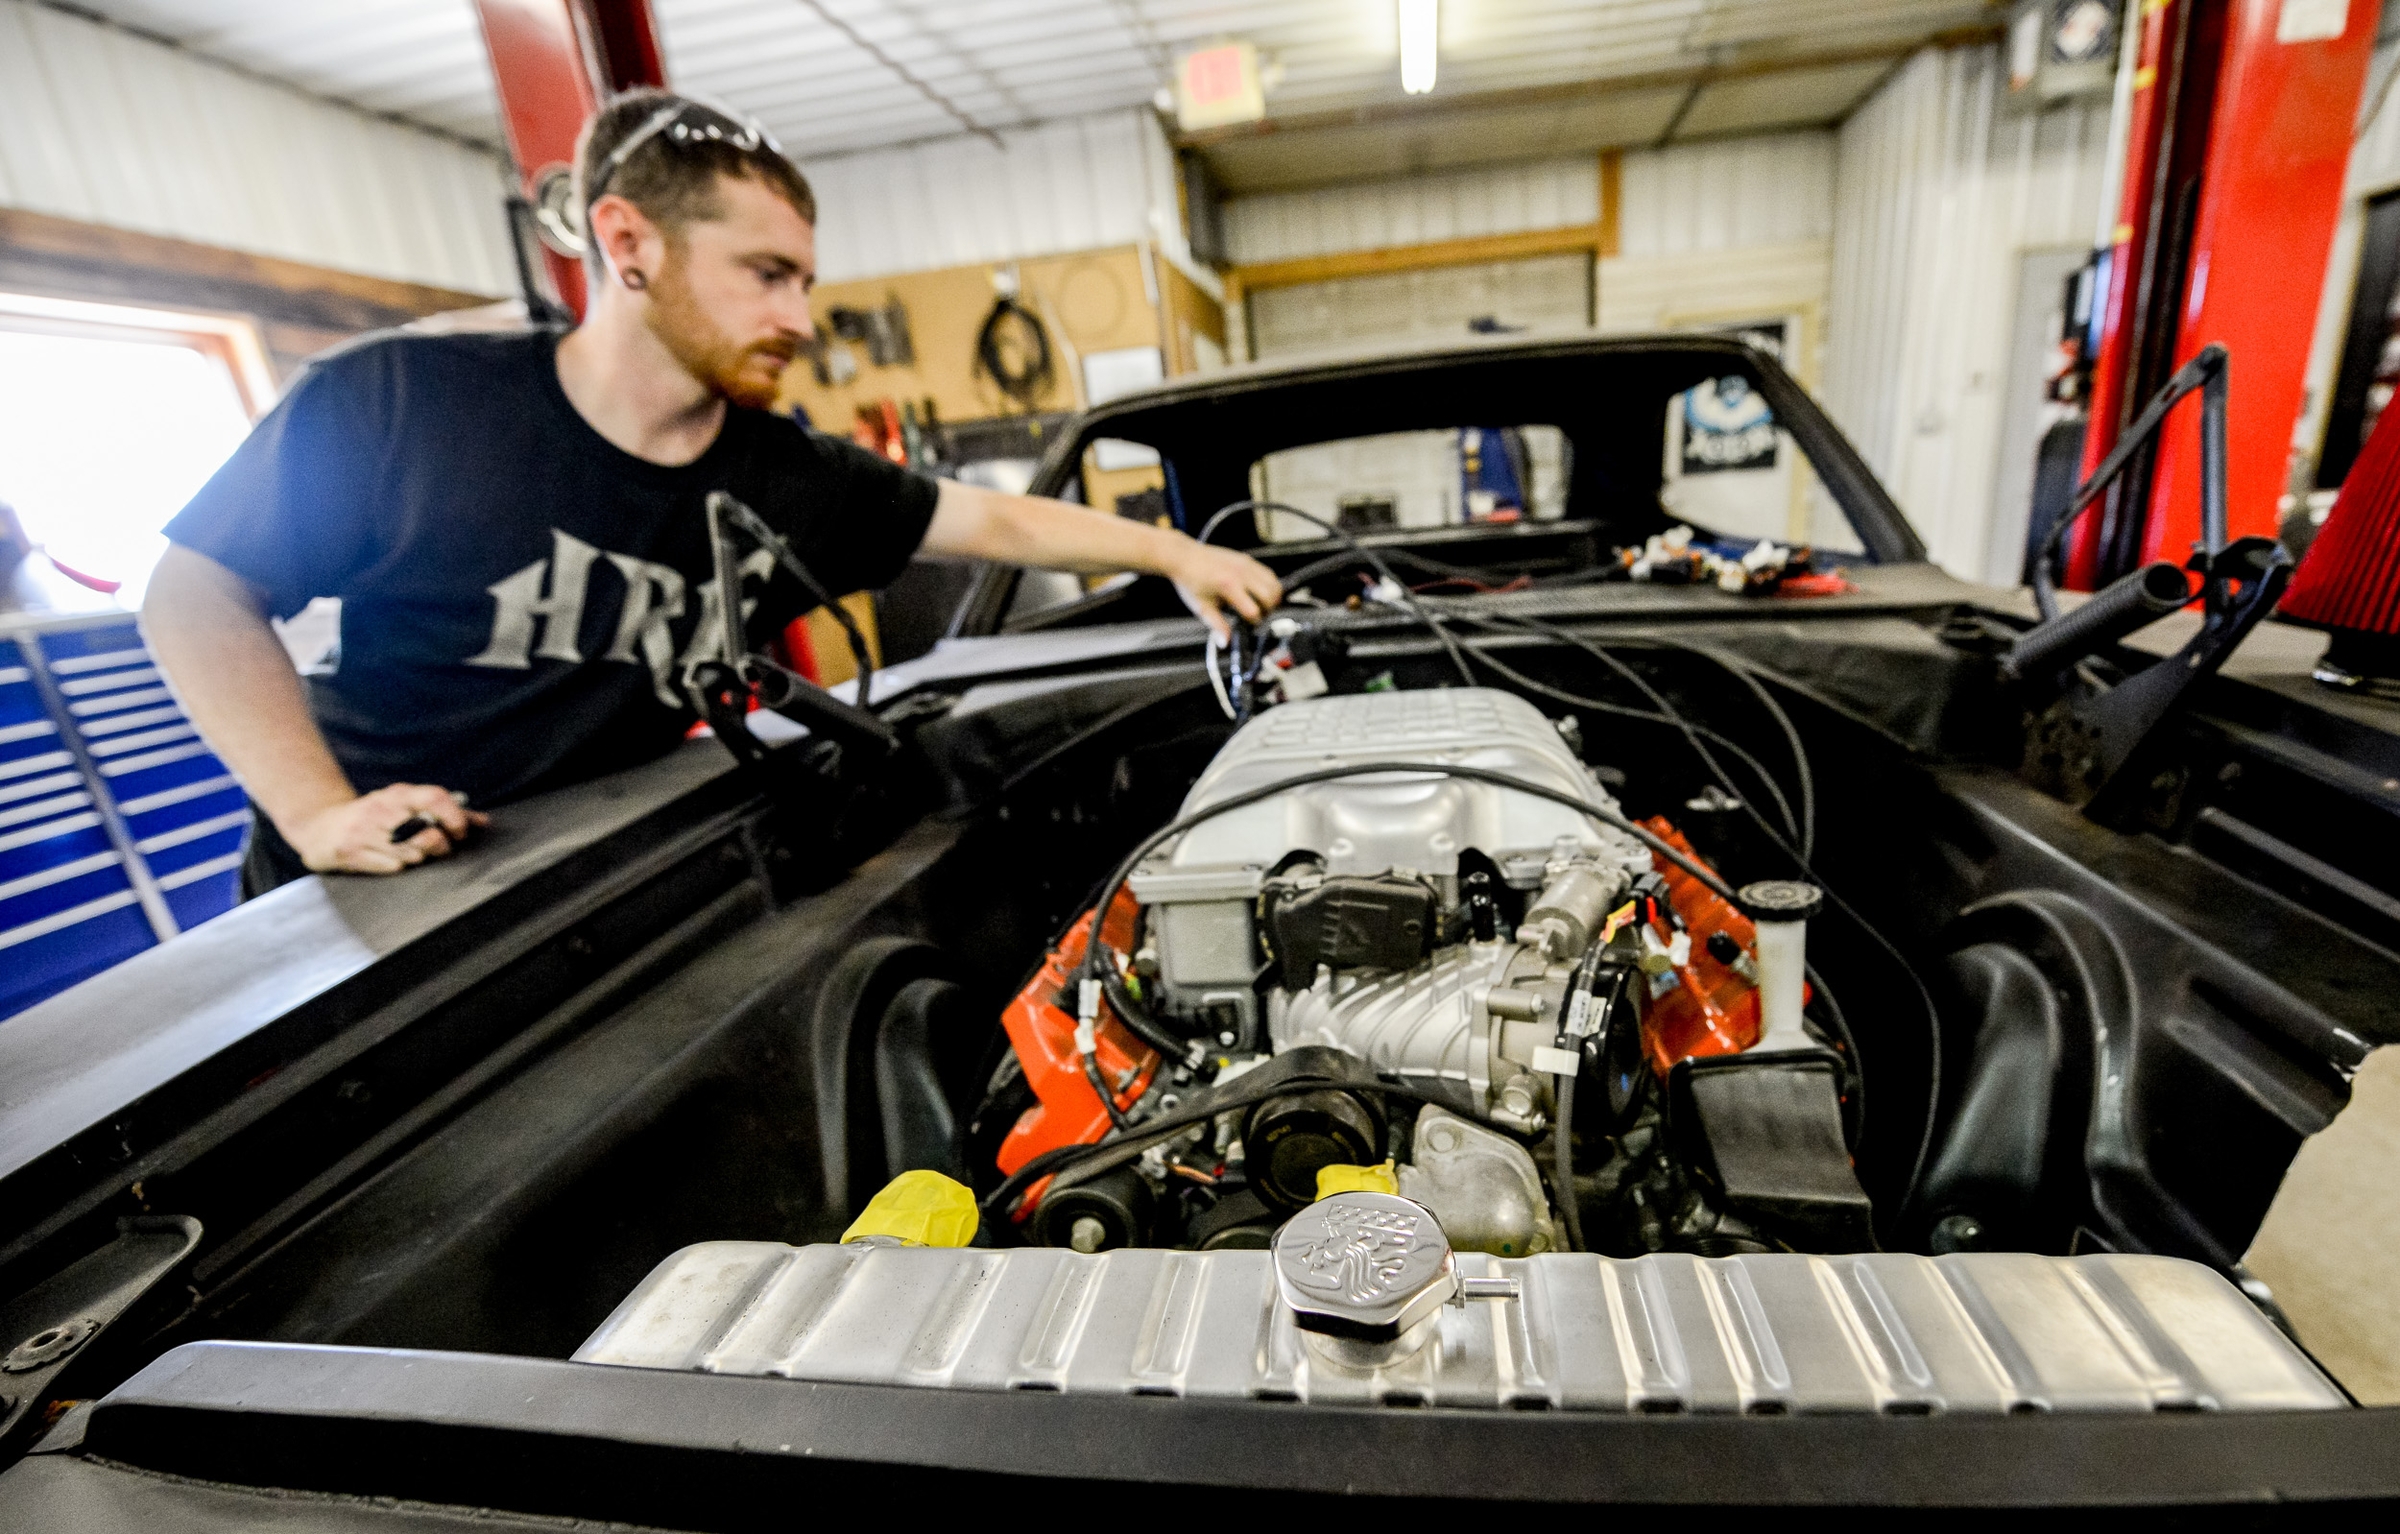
{"type": "Point", "coordinates": [1975, 1332]}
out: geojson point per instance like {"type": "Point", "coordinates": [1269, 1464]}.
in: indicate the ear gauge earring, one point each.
{"type": "Point", "coordinates": [636, 281]}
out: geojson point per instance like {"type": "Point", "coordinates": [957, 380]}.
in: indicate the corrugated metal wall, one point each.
{"type": "Point", "coordinates": [1731, 228]}
{"type": "Point", "coordinates": [1532, 293]}
{"type": "Point", "coordinates": [1735, 229]}
{"type": "Point", "coordinates": [1689, 199]}
{"type": "Point", "coordinates": [1935, 199]}
{"type": "Point", "coordinates": [1415, 210]}
{"type": "Point", "coordinates": [1730, 194]}
{"type": "Point", "coordinates": [1077, 184]}
{"type": "Point", "coordinates": [103, 126]}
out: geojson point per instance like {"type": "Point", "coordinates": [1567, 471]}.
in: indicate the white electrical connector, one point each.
{"type": "Point", "coordinates": [1087, 1017]}
{"type": "Point", "coordinates": [1657, 958]}
{"type": "Point", "coordinates": [1555, 1061]}
{"type": "Point", "coordinates": [1303, 682]}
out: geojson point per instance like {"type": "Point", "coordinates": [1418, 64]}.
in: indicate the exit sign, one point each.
{"type": "Point", "coordinates": [1219, 86]}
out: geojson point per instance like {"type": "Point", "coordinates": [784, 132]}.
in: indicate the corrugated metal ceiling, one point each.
{"type": "Point", "coordinates": [1008, 63]}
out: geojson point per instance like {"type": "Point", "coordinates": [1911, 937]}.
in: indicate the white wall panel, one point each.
{"type": "Point", "coordinates": [1935, 198]}
{"type": "Point", "coordinates": [1076, 184]}
{"type": "Point", "coordinates": [1639, 293]}
{"type": "Point", "coordinates": [99, 125]}
{"type": "Point", "coordinates": [1769, 189]}
{"type": "Point", "coordinates": [1414, 210]}
{"type": "Point", "coordinates": [1729, 194]}
{"type": "Point", "coordinates": [1394, 309]}
{"type": "Point", "coordinates": [2375, 158]}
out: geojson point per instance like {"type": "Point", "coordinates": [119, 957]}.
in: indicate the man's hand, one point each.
{"type": "Point", "coordinates": [355, 835]}
{"type": "Point", "coordinates": [208, 628]}
{"type": "Point", "coordinates": [1211, 579]}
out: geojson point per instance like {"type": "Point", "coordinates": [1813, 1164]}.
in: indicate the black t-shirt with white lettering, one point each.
{"type": "Point", "coordinates": [520, 598]}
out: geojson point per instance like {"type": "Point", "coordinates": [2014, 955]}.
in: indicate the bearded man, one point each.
{"type": "Point", "coordinates": [514, 524]}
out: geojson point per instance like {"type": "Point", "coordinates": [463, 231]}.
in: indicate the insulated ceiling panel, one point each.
{"type": "Point", "coordinates": [830, 76]}
{"type": "Point", "coordinates": [1490, 135]}
{"type": "Point", "coordinates": [1792, 99]}
{"type": "Point", "coordinates": [422, 60]}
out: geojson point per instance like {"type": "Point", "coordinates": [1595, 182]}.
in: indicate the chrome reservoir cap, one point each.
{"type": "Point", "coordinates": [1367, 1268]}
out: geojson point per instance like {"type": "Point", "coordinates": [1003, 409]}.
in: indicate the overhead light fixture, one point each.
{"type": "Point", "coordinates": [1420, 40]}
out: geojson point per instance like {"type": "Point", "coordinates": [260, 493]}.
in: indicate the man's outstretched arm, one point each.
{"type": "Point", "coordinates": [208, 630]}
{"type": "Point", "coordinates": [1053, 535]}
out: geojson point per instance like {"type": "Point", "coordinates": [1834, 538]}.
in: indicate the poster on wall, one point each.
{"type": "Point", "coordinates": [1728, 470]}
{"type": "Point", "coordinates": [1726, 423]}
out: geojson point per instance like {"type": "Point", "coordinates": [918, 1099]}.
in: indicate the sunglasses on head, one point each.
{"type": "Point", "coordinates": [682, 123]}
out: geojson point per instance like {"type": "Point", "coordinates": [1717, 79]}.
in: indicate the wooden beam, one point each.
{"type": "Point", "coordinates": [1612, 197]}
{"type": "Point", "coordinates": [66, 258]}
{"type": "Point", "coordinates": [1592, 239]}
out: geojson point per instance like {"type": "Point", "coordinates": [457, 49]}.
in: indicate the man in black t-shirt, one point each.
{"type": "Point", "coordinates": [514, 523]}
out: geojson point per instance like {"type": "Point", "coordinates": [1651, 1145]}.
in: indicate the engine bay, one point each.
{"type": "Point", "coordinates": [1409, 942]}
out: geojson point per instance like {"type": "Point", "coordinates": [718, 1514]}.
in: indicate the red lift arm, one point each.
{"type": "Point", "coordinates": [555, 62]}
{"type": "Point", "coordinates": [2238, 145]}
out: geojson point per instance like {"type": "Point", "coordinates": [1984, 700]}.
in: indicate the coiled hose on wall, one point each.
{"type": "Point", "coordinates": [1029, 377]}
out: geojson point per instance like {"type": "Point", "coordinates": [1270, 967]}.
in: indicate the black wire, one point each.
{"type": "Point", "coordinates": [1407, 598]}
{"type": "Point", "coordinates": [1803, 829]}
{"type": "Point", "coordinates": [1429, 564]}
{"type": "Point", "coordinates": [1802, 855]}
{"type": "Point", "coordinates": [1110, 1153]}
{"type": "Point", "coordinates": [1840, 1025]}
{"type": "Point", "coordinates": [1576, 700]}
{"type": "Point", "coordinates": [1131, 1013]}
{"type": "Point", "coordinates": [1675, 716]}
{"type": "Point", "coordinates": [1805, 863]}
{"type": "Point", "coordinates": [1804, 860]}
{"type": "Point", "coordinates": [1562, 1132]}
{"type": "Point", "coordinates": [1740, 670]}
{"type": "Point", "coordinates": [1562, 1161]}
{"type": "Point", "coordinates": [1108, 1099]}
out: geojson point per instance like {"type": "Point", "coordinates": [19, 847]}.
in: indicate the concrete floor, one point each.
{"type": "Point", "coordinates": [2330, 1247]}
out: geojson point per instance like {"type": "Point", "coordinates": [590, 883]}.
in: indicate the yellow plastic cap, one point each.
{"type": "Point", "coordinates": [920, 1209]}
{"type": "Point", "coordinates": [1357, 1179]}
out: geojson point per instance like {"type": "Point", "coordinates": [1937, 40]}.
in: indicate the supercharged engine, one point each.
{"type": "Point", "coordinates": [1403, 1068]}
{"type": "Point", "coordinates": [1408, 943]}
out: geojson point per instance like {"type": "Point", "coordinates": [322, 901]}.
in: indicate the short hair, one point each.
{"type": "Point", "coordinates": [674, 182]}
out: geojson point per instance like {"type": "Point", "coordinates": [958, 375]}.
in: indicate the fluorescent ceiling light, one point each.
{"type": "Point", "coordinates": [1420, 36]}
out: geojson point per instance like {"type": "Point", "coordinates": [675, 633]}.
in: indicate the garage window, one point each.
{"type": "Point", "coordinates": [110, 419]}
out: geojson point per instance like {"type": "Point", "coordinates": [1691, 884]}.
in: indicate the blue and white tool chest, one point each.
{"type": "Point", "coordinates": [118, 827]}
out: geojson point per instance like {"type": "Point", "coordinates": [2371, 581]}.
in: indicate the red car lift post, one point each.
{"type": "Point", "coordinates": [555, 61]}
{"type": "Point", "coordinates": [2238, 145]}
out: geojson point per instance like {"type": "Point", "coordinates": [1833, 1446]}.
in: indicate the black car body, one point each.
{"type": "Point", "coordinates": [310, 1207]}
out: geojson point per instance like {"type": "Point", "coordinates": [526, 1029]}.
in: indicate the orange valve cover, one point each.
{"type": "Point", "coordinates": [1711, 1010]}
{"type": "Point", "coordinates": [1041, 1024]}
